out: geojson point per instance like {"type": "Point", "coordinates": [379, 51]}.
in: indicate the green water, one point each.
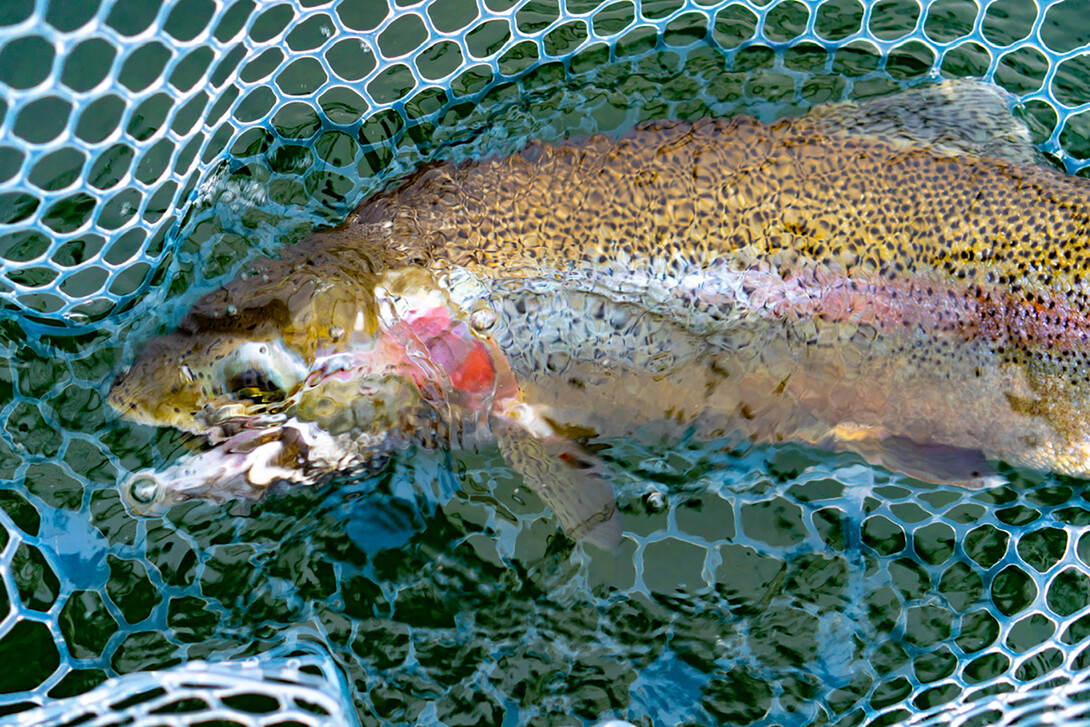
{"type": "Point", "coordinates": [775, 585]}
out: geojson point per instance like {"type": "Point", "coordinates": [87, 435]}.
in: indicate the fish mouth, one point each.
{"type": "Point", "coordinates": [245, 464]}
{"type": "Point", "coordinates": [346, 414]}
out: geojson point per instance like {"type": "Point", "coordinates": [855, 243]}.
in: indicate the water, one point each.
{"type": "Point", "coordinates": [772, 585]}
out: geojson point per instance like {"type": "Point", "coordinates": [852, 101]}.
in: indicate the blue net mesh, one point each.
{"type": "Point", "coordinates": [148, 149]}
{"type": "Point", "coordinates": [123, 120]}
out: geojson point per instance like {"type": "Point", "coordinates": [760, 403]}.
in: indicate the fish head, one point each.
{"type": "Point", "coordinates": [194, 382]}
{"type": "Point", "coordinates": [244, 351]}
{"type": "Point", "coordinates": [292, 381]}
{"type": "Point", "coordinates": [265, 414]}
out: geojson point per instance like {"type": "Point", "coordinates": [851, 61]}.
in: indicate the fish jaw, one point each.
{"type": "Point", "coordinates": [245, 465]}
{"type": "Point", "coordinates": [349, 412]}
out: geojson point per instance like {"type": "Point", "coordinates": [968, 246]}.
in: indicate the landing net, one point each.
{"type": "Point", "coordinates": [148, 149]}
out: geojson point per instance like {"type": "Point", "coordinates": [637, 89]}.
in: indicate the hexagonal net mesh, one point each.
{"type": "Point", "coordinates": [291, 687]}
{"type": "Point", "coordinates": [118, 115]}
{"type": "Point", "coordinates": [150, 148]}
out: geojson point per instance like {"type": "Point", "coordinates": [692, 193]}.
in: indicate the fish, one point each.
{"type": "Point", "coordinates": [903, 277]}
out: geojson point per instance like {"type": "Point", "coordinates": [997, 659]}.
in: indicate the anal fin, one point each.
{"type": "Point", "coordinates": [938, 463]}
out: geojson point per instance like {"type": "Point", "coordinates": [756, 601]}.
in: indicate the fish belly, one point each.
{"type": "Point", "coordinates": [609, 368]}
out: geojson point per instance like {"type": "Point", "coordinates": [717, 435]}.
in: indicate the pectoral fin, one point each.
{"type": "Point", "coordinates": [567, 478]}
{"type": "Point", "coordinates": [938, 463]}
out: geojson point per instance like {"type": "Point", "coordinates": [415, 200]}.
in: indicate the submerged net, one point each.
{"type": "Point", "coordinates": [125, 121]}
{"type": "Point", "coordinates": [301, 687]}
{"type": "Point", "coordinates": [149, 149]}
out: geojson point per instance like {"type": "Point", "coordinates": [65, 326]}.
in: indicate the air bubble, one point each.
{"type": "Point", "coordinates": [144, 490]}
{"type": "Point", "coordinates": [483, 319]}
{"type": "Point", "coordinates": [654, 501]}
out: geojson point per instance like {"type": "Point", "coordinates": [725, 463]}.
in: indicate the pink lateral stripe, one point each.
{"type": "Point", "coordinates": [968, 311]}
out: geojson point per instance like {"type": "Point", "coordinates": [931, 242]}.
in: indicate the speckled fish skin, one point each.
{"type": "Point", "coordinates": [896, 277]}
{"type": "Point", "coordinates": [929, 266]}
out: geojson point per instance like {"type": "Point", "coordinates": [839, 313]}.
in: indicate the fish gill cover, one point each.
{"type": "Point", "coordinates": [150, 149]}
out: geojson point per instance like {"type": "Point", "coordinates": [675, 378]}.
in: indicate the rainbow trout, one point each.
{"type": "Point", "coordinates": [902, 278]}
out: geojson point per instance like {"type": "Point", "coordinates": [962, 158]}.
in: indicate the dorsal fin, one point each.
{"type": "Point", "coordinates": [954, 117]}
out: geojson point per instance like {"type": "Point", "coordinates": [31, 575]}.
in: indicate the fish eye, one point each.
{"type": "Point", "coordinates": [260, 372]}
{"type": "Point", "coordinates": [255, 385]}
